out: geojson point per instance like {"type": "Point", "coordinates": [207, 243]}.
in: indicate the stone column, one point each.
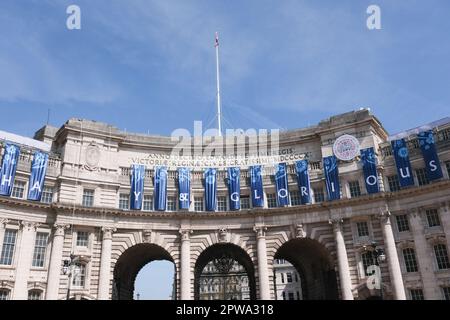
{"type": "Point", "coordinates": [185, 265]}
{"type": "Point", "coordinates": [263, 272]}
{"type": "Point", "coordinates": [342, 260]}
{"type": "Point", "coordinates": [395, 271]}
{"type": "Point", "coordinates": [24, 258]}
{"type": "Point", "coordinates": [54, 269]}
{"type": "Point", "coordinates": [105, 264]}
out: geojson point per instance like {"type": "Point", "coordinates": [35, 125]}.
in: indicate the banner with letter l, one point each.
{"type": "Point", "coordinates": [331, 172]}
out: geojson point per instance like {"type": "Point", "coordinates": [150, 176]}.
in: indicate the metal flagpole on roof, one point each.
{"type": "Point", "coordinates": [219, 120]}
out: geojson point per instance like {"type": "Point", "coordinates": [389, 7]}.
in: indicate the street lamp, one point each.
{"type": "Point", "coordinates": [68, 269]}
{"type": "Point", "coordinates": [378, 257]}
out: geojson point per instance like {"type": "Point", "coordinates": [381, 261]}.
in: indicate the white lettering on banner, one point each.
{"type": "Point", "coordinates": [36, 186]}
{"type": "Point", "coordinates": [8, 181]}
{"type": "Point", "coordinates": [256, 195]}
{"type": "Point", "coordinates": [407, 175]}
{"type": "Point", "coordinates": [282, 191]}
{"type": "Point", "coordinates": [235, 196]}
{"type": "Point", "coordinates": [136, 195]}
{"type": "Point", "coordinates": [183, 196]}
{"type": "Point", "coordinates": [304, 191]}
{"type": "Point", "coordinates": [433, 165]}
{"type": "Point", "coordinates": [371, 180]}
{"type": "Point", "coordinates": [332, 187]}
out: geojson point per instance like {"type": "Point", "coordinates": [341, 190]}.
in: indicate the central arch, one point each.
{"type": "Point", "coordinates": [232, 252]}
{"type": "Point", "coordinates": [130, 263]}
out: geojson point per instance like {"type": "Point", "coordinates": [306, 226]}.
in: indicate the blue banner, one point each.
{"type": "Point", "coordinates": [184, 188]}
{"type": "Point", "coordinates": [281, 183]}
{"type": "Point", "coordinates": [37, 176]}
{"type": "Point", "coordinates": [234, 188]}
{"type": "Point", "coordinates": [8, 171]}
{"type": "Point", "coordinates": [430, 156]}
{"type": "Point", "coordinates": [369, 162]}
{"type": "Point", "coordinates": [256, 186]}
{"type": "Point", "coordinates": [304, 187]}
{"type": "Point", "coordinates": [401, 156]}
{"type": "Point", "coordinates": [160, 190]}
{"type": "Point", "coordinates": [137, 186]}
{"type": "Point", "coordinates": [210, 189]}
{"type": "Point", "coordinates": [331, 172]}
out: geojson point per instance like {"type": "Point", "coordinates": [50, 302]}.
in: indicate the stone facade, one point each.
{"type": "Point", "coordinates": [89, 170]}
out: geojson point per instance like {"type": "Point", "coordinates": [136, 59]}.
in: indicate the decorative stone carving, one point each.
{"type": "Point", "coordinates": [185, 234]}
{"type": "Point", "coordinates": [4, 222]}
{"type": "Point", "coordinates": [147, 236]}
{"type": "Point", "coordinates": [260, 231]}
{"type": "Point", "coordinates": [60, 229]}
{"type": "Point", "coordinates": [29, 226]}
{"type": "Point", "coordinates": [300, 231]}
{"type": "Point", "coordinates": [336, 223]}
{"type": "Point", "coordinates": [92, 157]}
{"type": "Point", "coordinates": [107, 232]}
{"type": "Point", "coordinates": [223, 235]}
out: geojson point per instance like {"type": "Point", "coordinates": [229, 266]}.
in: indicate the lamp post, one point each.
{"type": "Point", "coordinates": [378, 257]}
{"type": "Point", "coordinates": [68, 269]}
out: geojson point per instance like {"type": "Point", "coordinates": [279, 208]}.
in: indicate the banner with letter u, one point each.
{"type": "Point", "coordinates": [210, 189]}
{"type": "Point", "coordinates": [430, 156]}
{"type": "Point", "coordinates": [331, 171]}
{"type": "Point", "coordinates": [281, 184]}
{"type": "Point", "coordinates": [184, 188]}
{"type": "Point", "coordinates": [369, 162]}
{"type": "Point", "coordinates": [256, 186]}
{"type": "Point", "coordinates": [234, 188]}
{"type": "Point", "coordinates": [37, 176]}
{"type": "Point", "coordinates": [160, 190]}
{"type": "Point", "coordinates": [9, 166]}
{"type": "Point", "coordinates": [304, 187]}
{"type": "Point", "coordinates": [401, 156]}
{"type": "Point", "coordinates": [137, 186]}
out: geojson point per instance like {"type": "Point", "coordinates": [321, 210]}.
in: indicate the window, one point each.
{"type": "Point", "coordinates": [124, 201]}
{"type": "Point", "coordinates": [447, 165]}
{"type": "Point", "coordinates": [284, 295]}
{"type": "Point", "coordinates": [362, 228]}
{"type": "Point", "coordinates": [409, 256]}
{"type": "Point", "coordinates": [47, 195]}
{"type": "Point", "coordinates": [367, 260]}
{"type": "Point", "coordinates": [171, 203]}
{"type": "Point", "coordinates": [394, 183]}
{"type": "Point", "coordinates": [18, 189]}
{"type": "Point", "coordinates": [298, 295]}
{"type": "Point", "coordinates": [198, 204]}
{"type": "Point", "coordinates": [416, 294]}
{"type": "Point", "coordinates": [291, 295]}
{"type": "Point", "coordinates": [433, 218]}
{"type": "Point", "coordinates": [319, 196]}
{"type": "Point", "coordinates": [402, 222]}
{"type": "Point", "coordinates": [355, 190]}
{"type": "Point", "coordinates": [295, 198]}
{"type": "Point", "coordinates": [148, 202]}
{"type": "Point", "coordinates": [282, 277]}
{"type": "Point", "coordinates": [245, 202]}
{"type": "Point", "coordinates": [440, 251]}
{"type": "Point", "coordinates": [296, 277]}
{"type": "Point", "coordinates": [4, 294]}
{"type": "Point", "coordinates": [422, 177]}
{"type": "Point", "coordinates": [271, 200]}
{"type": "Point", "coordinates": [82, 239]}
{"type": "Point", "coordinates": [221, 203]}
{"type": "Point", "coordinates": [446, 292]}
{"type": "Point", "coordinates": [9, 242]}
{"type": "Point", "coordinates": [79, 275]}
{"type": "Point", "coordinates": [289, 277]}
{"type": "Point", "coordinates": [34, 295]}
{"type": "Point", "coordinates": [88, 197]}
{"type": "Point", "coordinates": [40, 246]}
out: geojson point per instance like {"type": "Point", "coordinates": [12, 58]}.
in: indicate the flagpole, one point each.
{"type": "Point", "coordinates": [219, 116]}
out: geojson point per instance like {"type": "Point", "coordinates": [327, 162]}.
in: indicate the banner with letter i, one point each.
{"type": "Point", "coordinates": [401, 156]}
{"type": "Point", "coordinates": [281, 184]}
{"type": "Point", "coordinates": [304, 187]}
{"type": "Point", "coordinates": [137, 186]}
{"type": "Point", "coordinates": [369, 162]}
{"type": "Point", "coordinates": [37, 176]}
{"type": "Point", "coordinates": [160, 189]}
{"type": "Point", "coordinates": [184, 188]}
{"type": "Point", "coordinates": [234, 188]}
{"type": "Point", "coordinates": [9, 166]}
{"type": "Point", "coordinates": [430, 156]}
{"type": "Point", "coordinates": [331, 172]}
{"type": "Point", "coordinates": [210, 189]}
{"type": "Point", "coordinates": [256, 186]}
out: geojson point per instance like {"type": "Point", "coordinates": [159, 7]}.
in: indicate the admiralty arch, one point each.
{"type": "Point", "coordinates": [84, 215]}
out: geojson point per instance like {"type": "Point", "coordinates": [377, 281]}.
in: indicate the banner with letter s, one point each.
{"type": "Point", "coordinates": [137, 186]}
{"type": "Point", "coordinates": [430, 156]}
{"type": "Point", "coordinates": [234, 187]}
{"type": "Point", "coordinates": [281, 184]}
{"type": "Point", "coordinates": [304, 187]}
{"type": "Point", "coordinates": [184, 188]}
{"type": "Point", "coordinates": [256, 186]}
{"type": "Point", "coordinates": [8, 170]}
{"type": "Point", "coordinates": [160, 190]}
{"type": "Point", "coordinates": [37, 176]}
{"type": "Point", "coordinates": [369, 162]}
{"type": "Point", "coordinates": [210, 189]}
{"type": "Point", "coordinates": [401, 156]}
{"type": "Point", "coordinates": [331, 171]}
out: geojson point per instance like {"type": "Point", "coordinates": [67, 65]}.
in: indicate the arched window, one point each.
{"type": "Point", "coordinates": [4, 294]}
{"type": "Point", "coordinates": [34, 294]}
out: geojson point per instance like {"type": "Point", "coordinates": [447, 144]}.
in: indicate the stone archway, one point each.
{"type": "Point", "coordinates": [314, 265]}
{"type": "Point", "coordinates": [222, 251]}
{"type": "Point", "coordinates": [130, 263]}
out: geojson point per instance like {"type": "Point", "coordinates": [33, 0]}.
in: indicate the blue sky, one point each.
{"type": "Point", "coordinates": [149, 66]}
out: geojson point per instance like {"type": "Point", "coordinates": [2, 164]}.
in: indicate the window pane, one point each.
{"type": "Point", "coordinates": [245, 202]}
{"type": "Point", "coordinates": [34, 295]}
{"type": "Point", "coordinates": [409, 257]}
{"type": "Point", "coordinates": [355, 190]}
{"type": "Point", "coordinates": [363, 229]}
{"type": "Point", "coordinates": [148, 202]}
{"type": "Point", "coordinates": [416, 294]}
{"type": "Point", "coordinates": [9, 242]}
{"type": "Point", "coordinates": [198, 204]}
{"type": "Point", "coordinates": [40, 247]}
{"type": "Point", "coordinates": [18, 189]}
{"type": "Point", "coordinates": [88, 198]}
{"type": "Point", "coordinates": [79, 275]}
{"type": "Point", "coordinates": [319, 195]}
{"type": "Point", "coordinates": [433, 218]}
{"type": "Point", "coordinates": [440, 251]}
{"type": "Point", "coordinates": [271, 200]}
{"type": "Point", "coordinates": [171, 203]}
{"type": "Point", "coordinates": [422, 177]}
{"type": "Point", "coordinates": [4, 294]}
{"type": "Point", "coordinates": [82, 238]}
{"type": "Point", "coordinates": [221, 203]}
{"type": "Point", "coordinates": [124, 201]}
{"type": "Point", "coordinates": [47, 195]}
{"type": "Point", "coordinates": [402, 223]}
{"type": "Point", "coordinates": [394, 183]}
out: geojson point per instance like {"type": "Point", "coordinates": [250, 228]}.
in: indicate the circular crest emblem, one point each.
{"type": "Point", "coordinates": [346, 147]}
{"type": "Point", "coordinates": [92, 156]}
